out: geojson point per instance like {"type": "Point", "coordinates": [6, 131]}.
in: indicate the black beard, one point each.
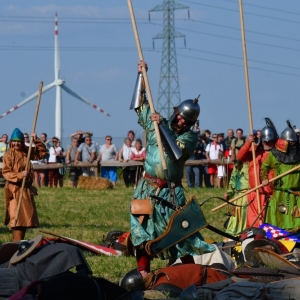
{"type": "Point", "coordinates": [291, 156]}
{"type": "Point", "coordinates": [178, 129]}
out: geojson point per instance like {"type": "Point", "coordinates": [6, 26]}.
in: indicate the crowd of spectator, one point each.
{"type": "Point", "coordinates": [217, 147]}
{"type": "Point", "coordinates": [82, 148]}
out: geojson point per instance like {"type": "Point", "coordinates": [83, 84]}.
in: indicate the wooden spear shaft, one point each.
{"type": "Point", "coordinates": [148, 91]}
{"type": "Point", "coordinates": [249, 106]}
{"type": "Point", "coordinates": [29, 150]}
{"type": "Point", "coordinates": [257, 187]}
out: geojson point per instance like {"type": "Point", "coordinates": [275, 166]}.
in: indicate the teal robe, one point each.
{"type": "Point", "coordinates": [156, 224]}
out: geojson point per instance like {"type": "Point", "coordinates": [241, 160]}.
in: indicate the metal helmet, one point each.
{"type": "Point", "coordinates": [133, 280]}
{"type": "Point", "coordinates": [269, 133]}
{"type": "Point", "coordinates": [188, 109]}
{"type": "Point", "coordinates": [289, 133]}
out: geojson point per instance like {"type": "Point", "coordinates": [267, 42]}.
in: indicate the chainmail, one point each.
{"type": "Point", "coordinates": [291, 156]}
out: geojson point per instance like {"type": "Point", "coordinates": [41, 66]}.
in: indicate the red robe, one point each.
{"type": "Point", "coordinates": [245, 155]}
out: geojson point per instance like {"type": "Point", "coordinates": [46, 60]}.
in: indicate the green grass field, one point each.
{"type": "Point", "coordinates": [88, 215]}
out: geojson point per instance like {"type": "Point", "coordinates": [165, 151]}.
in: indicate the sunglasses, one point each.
{"type": "Point", "coordinates": [26, 136]}
{"type": "Point", "coordinates": [108, 139]}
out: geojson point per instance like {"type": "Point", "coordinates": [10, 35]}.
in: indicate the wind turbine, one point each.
{"type": "Point", "coordinates": [60, 84]}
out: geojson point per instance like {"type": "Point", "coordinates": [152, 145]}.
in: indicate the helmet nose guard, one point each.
{"type": "Point", "coordinates": [188, 109]}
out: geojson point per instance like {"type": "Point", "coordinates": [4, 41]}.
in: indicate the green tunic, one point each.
{"type": "Point", "coordinates": [238, 185]}
{"type": "Point", "coordinates": [282, 194]}
{"type": "Point", "coordinates": [156, 224]}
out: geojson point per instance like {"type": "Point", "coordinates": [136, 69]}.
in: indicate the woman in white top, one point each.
{"type": "Point", "coordinates": [138, 154]}
{"type": "Point", "coordinates": [125, 155]}
{"type": "Point", "coordinates": [54, 151]}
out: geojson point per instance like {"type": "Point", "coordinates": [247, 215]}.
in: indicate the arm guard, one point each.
{"type": "Point", "coordinates": [138, 93]}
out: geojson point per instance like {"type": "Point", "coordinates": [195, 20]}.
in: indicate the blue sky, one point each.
{"type": "Point", "coordinates": [98, 60]}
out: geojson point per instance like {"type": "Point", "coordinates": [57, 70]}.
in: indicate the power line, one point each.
{"type": "Point", "coordinates": [237, 65]}
{"type": "Point", "coordinates": [265, 7]}
{"type": "Point", "coordinates": [239, 58]}
{"type": "Point", "coordinates": [239, 29]}
{"type": "Point", "coordinates": [245, 13]}
{"type": "Point", "coordinates": [236, 39]}
{"type": "Point", "coordinates": [158, 50]}
{"type": "Point", "coordinates": [51, 48]}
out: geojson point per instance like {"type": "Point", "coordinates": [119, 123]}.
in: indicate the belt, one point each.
{"type": "Point", "coordinates": [160, 183]}
{"type": "Point", "coordinates": [28, 184]}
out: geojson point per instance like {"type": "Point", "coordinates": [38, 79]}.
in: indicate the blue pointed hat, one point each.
{"type": "Point", "coordinates": [17, 135]}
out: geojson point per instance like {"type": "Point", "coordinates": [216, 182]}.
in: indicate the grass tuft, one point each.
{"type": "Point", "coordinates": [88, 215]}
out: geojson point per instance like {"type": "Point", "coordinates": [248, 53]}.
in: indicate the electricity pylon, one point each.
{"type": "Point", "coordinates": [169, 92]}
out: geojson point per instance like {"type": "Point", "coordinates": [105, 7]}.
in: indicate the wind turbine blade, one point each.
{"type": "Point", "coordinates": [69, 91]}
{"type": "Point", "coordinates": [56, 50]}
{"type": "Point", "coordinates": [45, 89]}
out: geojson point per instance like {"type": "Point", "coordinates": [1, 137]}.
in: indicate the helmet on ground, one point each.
{"type": "Point", "coordinates": [188, 109]}
{"type": "Point", "coordinates": [289, 133]}
{"type": "Point", "coordinates": [133, 280]}
{"type": "Point", "coordinates": [269, 133]}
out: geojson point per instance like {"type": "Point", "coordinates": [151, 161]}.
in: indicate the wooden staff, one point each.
{"type": "Point", "coordinates": [257, 187]}
{"type": "Point", "coordinates": [136, 35]}
{"type": "Point", "coordinates": [249, 106]}
{"type": "Point", "coordinates": [29, 150]}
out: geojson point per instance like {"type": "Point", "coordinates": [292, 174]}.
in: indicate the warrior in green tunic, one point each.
{"type": "Point", "coordinates": [153, 181]}
{"type": "Point", "coordinates": [284, 206]}
{"type": "Point", "coordinates": [238, 185]}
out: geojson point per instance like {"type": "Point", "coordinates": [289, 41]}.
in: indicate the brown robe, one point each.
{"type": "Point", "coordinates": [14, 163]}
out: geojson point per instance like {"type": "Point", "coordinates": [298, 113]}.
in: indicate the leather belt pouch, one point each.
{"type": "Point", "coordinates": [140, 206]}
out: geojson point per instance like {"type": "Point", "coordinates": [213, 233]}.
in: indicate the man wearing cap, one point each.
{"type": "Point", "coordinates": [14, 170]}
{"type": "Point", "coordinates": [153, 182]}
{"type": "Point", "coordinates": [79, 135]}
{"type": "Point", "coordinates": [284, 205]}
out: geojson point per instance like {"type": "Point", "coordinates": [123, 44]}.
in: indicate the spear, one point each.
{"type": "Point", "coordinates": [29, 150]}
{"type": "Point", "coordinates": [147, 86]}
{"type": "Point", "coordinates": [249, 106]}
{"type": "Point", "coordinates": [257, 187]}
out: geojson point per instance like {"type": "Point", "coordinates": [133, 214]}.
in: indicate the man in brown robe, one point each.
{"type": "Point", "coordinates": [13, 170]}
